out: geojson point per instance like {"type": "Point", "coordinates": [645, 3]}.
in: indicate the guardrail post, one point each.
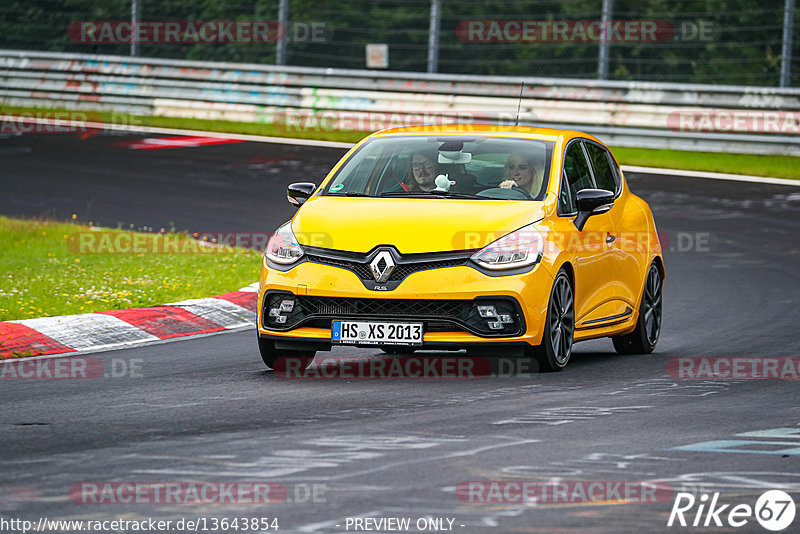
{"type": "Point", "coordinates": [602, 56]}
{"type": "Point", "coordinates": [134, 23]}
{"type": "Point", "coordinates": [433, 36]}
{"type": "Point", "coordinates": [786, 53]}
{"type": "Point", "coordinates": [283, 32]}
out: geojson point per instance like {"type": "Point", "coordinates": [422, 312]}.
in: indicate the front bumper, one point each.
{"type": "Point", "coordinates": [445, 299]}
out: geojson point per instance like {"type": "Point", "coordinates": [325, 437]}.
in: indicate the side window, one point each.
{"type": "Point", "coordinates": [604, 175]}
{"type": "Point", "coordinates": [565, 203]}
{"type": "Point", "coordinates": [576, 170]}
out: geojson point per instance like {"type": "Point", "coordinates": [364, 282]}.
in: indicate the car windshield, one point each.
{"type": "Point", "coordinates": [478, 168]}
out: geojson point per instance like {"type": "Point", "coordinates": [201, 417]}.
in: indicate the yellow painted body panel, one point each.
{"type": "Point", "coordinates": [411, 225]}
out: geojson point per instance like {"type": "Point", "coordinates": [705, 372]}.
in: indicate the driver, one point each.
{"type": "Point", "coordinates": [523, 171]}
{"type": "Point", "coordinates": [424, 169]}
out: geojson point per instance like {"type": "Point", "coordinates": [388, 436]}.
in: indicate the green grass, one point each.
{"type": "Point", "coordinates": [207, 125]}
{"type": "Point", "coordinates": [757, 165]}
{"type": "Point", "coordinates": [44, 273]}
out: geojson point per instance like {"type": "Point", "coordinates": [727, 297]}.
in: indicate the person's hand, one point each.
{"type": "Point", "coordinates": [508, 184]}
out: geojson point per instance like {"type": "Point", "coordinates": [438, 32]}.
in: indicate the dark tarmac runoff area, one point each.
{"type": "Point", "coordinates": [465, 456]}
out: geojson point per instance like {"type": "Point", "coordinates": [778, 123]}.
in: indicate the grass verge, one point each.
{"type": "Point", "coordinates": [47, 270]}
{"type": "Point", "coordinates": [206, 125]}
{"type": "Point", "coordinates": [752, 164]}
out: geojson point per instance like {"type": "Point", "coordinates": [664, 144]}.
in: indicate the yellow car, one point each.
{"type": "Point", "coordinates": [495, 239]}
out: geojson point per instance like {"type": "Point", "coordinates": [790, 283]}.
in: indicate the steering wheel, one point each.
{"type": "Point", "coordinates": [502, 193]}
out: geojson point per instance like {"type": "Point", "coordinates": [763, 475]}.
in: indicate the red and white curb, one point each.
{"type": "Point", "coordinates": [91, 332]}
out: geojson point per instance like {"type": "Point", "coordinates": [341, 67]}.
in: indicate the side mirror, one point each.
{"type": "Point", "coordinates": [298, 193]}
{"type": "Point", "coordinates": [591, 202]}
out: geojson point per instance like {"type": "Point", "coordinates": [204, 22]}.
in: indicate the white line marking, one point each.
{"type": "Point", "coordinates": [711, 175]}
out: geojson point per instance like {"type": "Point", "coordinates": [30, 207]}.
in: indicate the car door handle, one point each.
{"type": "Point", "coordinates": [610, 238]}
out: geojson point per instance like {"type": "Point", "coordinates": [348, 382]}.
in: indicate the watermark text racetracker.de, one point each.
{"type": "Point", "coordinates": [125, 242]}
{"type": "Point", "coordinates": [428, 367]}
{"type": "Point", "coordinates": [61, 122]}
{"type": "Point", "coordinates": [244, 524]}
{"type": "Point", "coordinates": [735, 121]}
{"type": "Point", "coordinates": [292, 120]}
{"type": "Point", "coordinates": [196, 492]}
{"type": "Point", "coordinates": [70, 368]}
{"type": "Point", "coordinates": [493, 492]}
{"type": "Point", "coordinates": [196, 31]}
{"type": "Point", "coordinates": [556, 242]}
{"type": "Point", "coordinates": [734, 368]}
{"type": "Point", "coordinates": [582, 31]}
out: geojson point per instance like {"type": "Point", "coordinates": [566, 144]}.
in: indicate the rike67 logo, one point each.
{"type": "Point", "coordinates": [774, 510]}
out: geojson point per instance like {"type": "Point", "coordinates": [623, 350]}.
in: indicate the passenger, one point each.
{"type": "Point", "coordinates": [523, 171]}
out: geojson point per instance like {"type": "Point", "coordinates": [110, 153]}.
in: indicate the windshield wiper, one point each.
{"type": "Point", "coordinates": [424, 194]}
{"type": "Point", "coordinates": [349, 194]}
{"type": "Point", "coordinates": [453, 194]}
{"type": "Point", "coordinates": [403, 194]}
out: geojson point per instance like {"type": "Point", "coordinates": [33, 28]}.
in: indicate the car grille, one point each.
{"type": "Point", "coordinates": [403, 270]}
{"type": "Point", "coordinates": [399, 308]}
{"type": "Point", "coordinates": [406, 265]}
{"type": "Point", "coordinates": [362, 270]}
{"type": "Point", "coordinates": [437, 315]}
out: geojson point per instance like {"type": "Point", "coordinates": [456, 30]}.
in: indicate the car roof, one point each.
{"type": "Point", "coordinates": [502, 130]}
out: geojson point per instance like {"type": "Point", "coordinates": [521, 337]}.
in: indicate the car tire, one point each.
{"type": "Point", "coordinates": [556, 348]}
{"type": "Point", "coordinates": [276, 359]}
{"type": "Point", "coordinates": [644, 337]}
{"type": "Point", "coordinates": [397, 349]}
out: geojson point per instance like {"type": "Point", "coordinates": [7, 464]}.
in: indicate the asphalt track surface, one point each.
{"type": "Point", "coordinates": [206, 410]}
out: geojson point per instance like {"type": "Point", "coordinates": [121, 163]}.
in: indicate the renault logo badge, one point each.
{"type": "Point", "coordinates": [382, 266]}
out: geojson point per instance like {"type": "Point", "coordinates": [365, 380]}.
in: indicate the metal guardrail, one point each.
{"type": "Point", "coordinates": [622, 113]}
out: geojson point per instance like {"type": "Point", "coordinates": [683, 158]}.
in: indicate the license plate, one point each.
{"type": "Point", "coordinates": [376, 333]}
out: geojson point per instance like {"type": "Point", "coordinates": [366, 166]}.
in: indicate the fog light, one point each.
{"type": "Point", "coordinates": [281, 319]}
{"type": "Point", "coordinates": [505, 319]}
{"type": "Point", "coordinates": [495, 325]}
{"type": "Point", "coordinates": [287, 305]}
{"type": "Point", "coordinates": [487, 311]}
{"type": "Point", "coordinates": [274, 312]}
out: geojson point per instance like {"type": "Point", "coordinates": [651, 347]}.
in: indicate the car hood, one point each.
{"type": "Point", "coordinates": [410, 225]}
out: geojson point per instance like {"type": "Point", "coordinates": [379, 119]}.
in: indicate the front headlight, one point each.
{"type": "Point", "coordinates": [282, 247]}
{"type": "Point", "coordinates": [518, 249]}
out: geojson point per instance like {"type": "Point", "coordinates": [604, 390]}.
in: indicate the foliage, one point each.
{"type": "Point", "coordinates": [743, 46]}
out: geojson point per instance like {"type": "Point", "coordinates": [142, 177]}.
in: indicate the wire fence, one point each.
{"type": "Point", "coordinates": [747, 42]}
